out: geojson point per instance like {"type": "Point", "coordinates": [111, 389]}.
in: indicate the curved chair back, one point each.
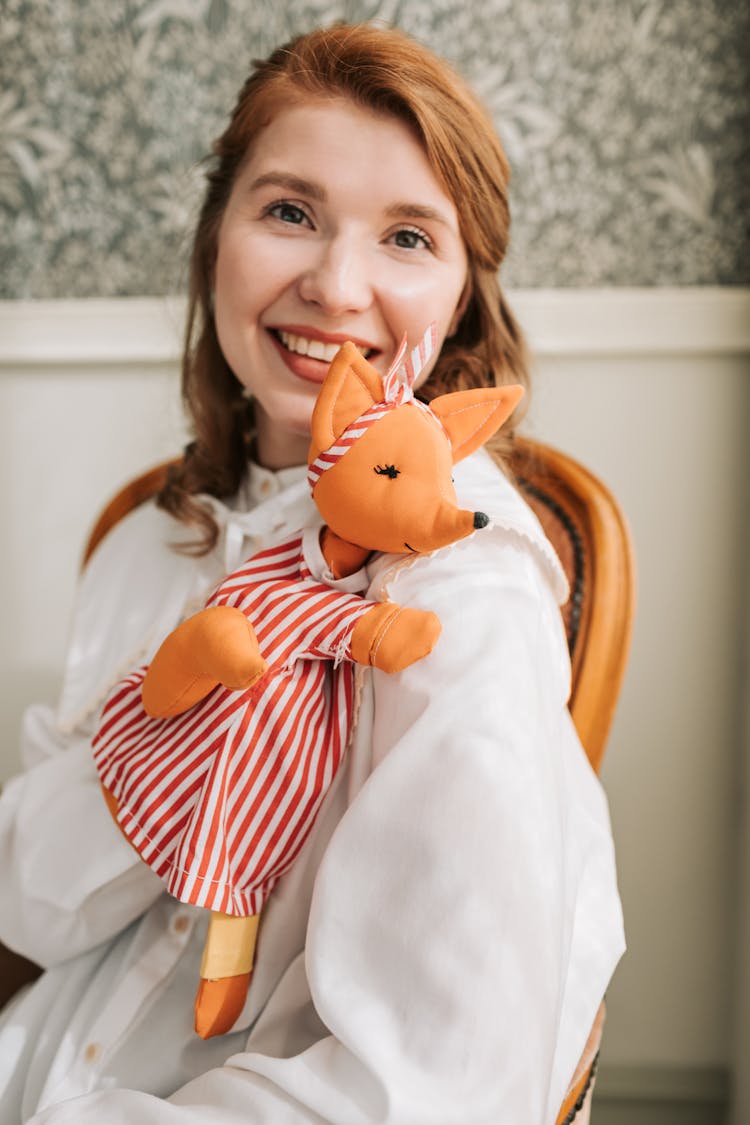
{"type": "Point", "coordinates": [135, 492]}
{"type": "Point", "coordinates": [587, 528]}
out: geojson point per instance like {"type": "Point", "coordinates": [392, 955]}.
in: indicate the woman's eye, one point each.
{"type": "Point", "coordinates": [288, 213]}
{"type": "Point", "coordinates": [412, 238]}
{"type": "Point", "coordinates": [387, 471]}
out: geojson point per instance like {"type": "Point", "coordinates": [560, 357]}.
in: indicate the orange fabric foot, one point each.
{"type": "Point", "coordinates": [219, 1003]}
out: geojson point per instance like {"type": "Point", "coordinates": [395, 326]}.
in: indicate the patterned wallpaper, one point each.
{"type": "Point", "coordinates": [626, 122]}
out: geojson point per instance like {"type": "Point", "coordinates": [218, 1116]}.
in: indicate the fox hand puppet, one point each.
{"type": "Point", "coordinates": [215, 759]}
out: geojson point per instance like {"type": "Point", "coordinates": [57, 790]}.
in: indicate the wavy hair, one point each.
{"type": "Point", "coordinates": [385, 71]}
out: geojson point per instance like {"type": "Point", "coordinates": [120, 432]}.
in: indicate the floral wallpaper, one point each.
{"type": "Point", "coordinates": [626, 122]}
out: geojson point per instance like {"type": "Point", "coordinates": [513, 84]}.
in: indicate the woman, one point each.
{"type": "Point", "coordinates": [441, 945]}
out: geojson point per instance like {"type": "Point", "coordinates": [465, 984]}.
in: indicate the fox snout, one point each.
{"type": "Point", "coordinates": [437, 526]}
{"type": "Point", "coordinates": [451, 524]}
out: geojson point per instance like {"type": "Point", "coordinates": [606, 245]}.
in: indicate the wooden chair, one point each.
{"type": "Point", "coordinates": [585, 525]}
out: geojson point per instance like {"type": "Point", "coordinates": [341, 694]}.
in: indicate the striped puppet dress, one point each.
{"type": "Point", "coordinates": [219, 801]}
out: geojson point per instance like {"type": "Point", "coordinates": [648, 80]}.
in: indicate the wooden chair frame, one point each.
{"type": "Point", "coordinates": [588, 529]}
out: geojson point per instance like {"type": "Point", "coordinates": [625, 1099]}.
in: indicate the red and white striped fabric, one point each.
{"type": "Point", "coordinates": [403, 372]}
{"type": "Point", "coordinates": [398, 388]}
{"type": "Point", "coordinates": [220, 800]}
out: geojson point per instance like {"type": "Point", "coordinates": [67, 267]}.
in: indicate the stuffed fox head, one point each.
{"type": "Point", "coordinates": [380, 461]}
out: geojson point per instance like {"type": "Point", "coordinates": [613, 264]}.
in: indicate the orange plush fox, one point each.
{"type": "Point", "coordinates": [216, 758]}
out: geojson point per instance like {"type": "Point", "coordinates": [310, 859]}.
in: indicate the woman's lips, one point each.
{"type": "Point", "coordinates": [305, 366]}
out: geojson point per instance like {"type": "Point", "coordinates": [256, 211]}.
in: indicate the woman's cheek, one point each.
{"type": "Point", "coordinates": [435, 284]}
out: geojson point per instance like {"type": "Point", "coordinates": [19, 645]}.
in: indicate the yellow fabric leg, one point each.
{"type": "Point", "coordinates": [230, 945]}
{"type": "Point", "coordinates": [225, 973]}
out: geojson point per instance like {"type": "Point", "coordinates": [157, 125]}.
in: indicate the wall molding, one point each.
{"type": "Point", "coordinates": [576, 322]}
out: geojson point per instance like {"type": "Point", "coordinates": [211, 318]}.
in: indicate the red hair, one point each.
{"type": "Point", "coordinates": [386, 71]}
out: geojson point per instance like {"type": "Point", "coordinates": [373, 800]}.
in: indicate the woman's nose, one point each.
{"type": "Point", "coordinates": [337, 281]}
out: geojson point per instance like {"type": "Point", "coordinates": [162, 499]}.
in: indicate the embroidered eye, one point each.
{"type": "Point", "coordinates": [387, 471]}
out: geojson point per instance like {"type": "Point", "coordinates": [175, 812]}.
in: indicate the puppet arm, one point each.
{"type": "Point", "coordinates": [216, 646]}
{"type": "Point", "coordinates": [390, 637]}
{"type": "Point", "coordinates": [375, 634]}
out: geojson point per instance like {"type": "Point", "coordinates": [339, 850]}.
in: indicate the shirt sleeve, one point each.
{"type": "Point", "coordinates": [465, 920]}
{"type": "Point", "coordinates": [68, 880]}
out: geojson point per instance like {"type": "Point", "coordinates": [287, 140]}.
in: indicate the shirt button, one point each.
{"type": "Point", "coordinates": [181, 923]}
{"type": "Point", "coordinates": [92, 1052]}
{"type": "Point", "coordinates": [266, 487]}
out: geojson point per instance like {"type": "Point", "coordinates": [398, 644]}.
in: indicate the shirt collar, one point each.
{"type": "Point", "coordinates": [261, 484]}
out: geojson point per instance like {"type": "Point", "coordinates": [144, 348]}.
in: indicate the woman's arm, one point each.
{"type": "Point", "coordinates": [465, 920]}
{"type": "Point", "coordinates": [68, 879]}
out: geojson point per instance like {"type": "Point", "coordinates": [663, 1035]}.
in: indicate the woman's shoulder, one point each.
{"type": "Point", "coordinates": [497, 593]}
{"type": "Point", "coordinates": [134, 590]}
{"type": "Point", "coordinates": [148, 541]}
{"type": "Point", "coordinates": [482, 486]}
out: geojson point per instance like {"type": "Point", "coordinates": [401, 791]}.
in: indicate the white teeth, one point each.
{"type": "Point", "coordinates": [316, 349]}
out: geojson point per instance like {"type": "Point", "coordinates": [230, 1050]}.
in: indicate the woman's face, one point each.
{"type": "Point", "coordinates": [336, 229]}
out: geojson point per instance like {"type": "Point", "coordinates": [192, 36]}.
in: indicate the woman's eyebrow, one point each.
{"type": "Point", "coordinates": [290, 183]}
{"type": "Point", "coordinates": [418, 211]}
{"type": "Point", "coordinates": [300, 186]}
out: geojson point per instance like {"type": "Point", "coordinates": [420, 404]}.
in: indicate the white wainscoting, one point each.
{"type": "Point", "coordinates": [651, 389]}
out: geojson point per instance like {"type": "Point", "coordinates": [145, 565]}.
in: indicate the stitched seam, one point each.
{"type": "Point", "coordinates": [186, 689]}
{"type": "Point", "coordinates": [159, 853]}
{"type": "Point", "coordinates": [364, 387]}
{"type": "Point", "coordinates": [484, 421]}
{"type": "Point", "coordinates": [379, 636]}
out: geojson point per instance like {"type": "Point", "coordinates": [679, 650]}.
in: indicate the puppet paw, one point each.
{"type": "Point", "coordinates": [391, 638]}
{"type": "Point", "coordinates": [228, 648]}
{"type": "Point", "coordinates": [219, 1003]}
{"type": "Point", "coordinates": [216, 646]}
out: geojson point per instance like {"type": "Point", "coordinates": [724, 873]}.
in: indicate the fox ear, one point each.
{"type": "Point", "coordinates": [351, 387]}
{"type": "Point", "coordinates": [471, 417]}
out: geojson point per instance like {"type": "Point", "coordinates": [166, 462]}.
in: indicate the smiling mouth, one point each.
{"type": "Point", "coordinates": [413, 551]}
{"type": "Point", "coordinates": [314, 349]}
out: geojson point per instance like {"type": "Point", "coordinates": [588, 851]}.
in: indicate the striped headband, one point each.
{"type": "Point", "coordinates": [398, 388]}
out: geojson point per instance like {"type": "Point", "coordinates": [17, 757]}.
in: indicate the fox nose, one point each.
{"type": "Point", "coordinates": [480, 520]}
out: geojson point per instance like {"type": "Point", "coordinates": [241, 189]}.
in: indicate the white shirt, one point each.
{"type": "Point", "coordinates": [440, 947]}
